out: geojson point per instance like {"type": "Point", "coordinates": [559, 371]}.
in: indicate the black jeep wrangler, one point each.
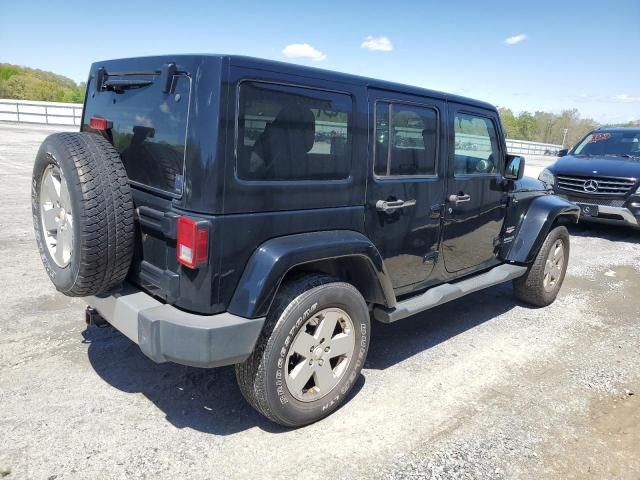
{"type": "Point", "coordinates": [223, 210]}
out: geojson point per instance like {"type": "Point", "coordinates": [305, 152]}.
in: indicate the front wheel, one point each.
{"type": "Point", "coordinates": [311, 351]}
{"type": "Point", "coordinates": [542, 282]}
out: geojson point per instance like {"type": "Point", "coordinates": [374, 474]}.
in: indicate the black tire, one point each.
{"type": "Point", "coordinates": [102, 211]}
{"type": "Point", "coordinates": [262, 376]}
{"type": "Point", "coordinates": [530, 288]}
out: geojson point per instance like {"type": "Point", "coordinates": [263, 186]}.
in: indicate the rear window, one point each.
{"type": "Point", "coordinates": [292, 133]}
{"type": "Point", "coordinates": [413, 131]}
{"type": "Point", "coordinates": [149, 129]}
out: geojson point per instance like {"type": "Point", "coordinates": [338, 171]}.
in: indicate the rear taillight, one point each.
{"type": "Point", "coordinates": [97, 123]}
{"type": "Point", "coordinates": [192, 246]}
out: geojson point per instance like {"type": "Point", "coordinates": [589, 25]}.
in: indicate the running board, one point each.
{"type": "Point", "coordinates": [448, 291]}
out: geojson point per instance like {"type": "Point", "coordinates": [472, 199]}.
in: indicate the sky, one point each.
{"type": "Point", "coordinates": [527, 56]}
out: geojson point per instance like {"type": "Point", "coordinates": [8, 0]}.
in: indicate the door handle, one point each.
{"type": "Point", "coordinates": [393, 205]}
{"type": "Point", "coordinates": [458, 199]}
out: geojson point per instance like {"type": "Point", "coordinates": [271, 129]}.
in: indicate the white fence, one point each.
{"type": "Point", "coordinates": [465, 141]}
{"type": "Point", "coordinates": [522, 147]}
{"type": "Point", "coordinates": [48, 113]}
{"type": "Point", "coordinates": [54, 113]}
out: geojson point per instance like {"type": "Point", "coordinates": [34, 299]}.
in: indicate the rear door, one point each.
{"type": "Point", "coordinates": [475, 202]}
{"type": "Point", "coordinates": [406, 186]}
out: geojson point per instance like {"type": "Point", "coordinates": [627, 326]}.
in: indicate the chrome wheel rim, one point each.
{"type": "Point", "coordinates": [319, 355]}
{"type": "Point", "coordinates": [553, 266]}
{"type": "Point", "coordinates": [55, 215]}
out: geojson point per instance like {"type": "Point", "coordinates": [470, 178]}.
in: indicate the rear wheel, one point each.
{"type": "Point", "coordinates": [542, 282]}
{"type": "Point", "coordinates": [311, 352]}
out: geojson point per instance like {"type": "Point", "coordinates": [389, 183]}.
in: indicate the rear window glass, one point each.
{"type": "Point", "coordinates": [292, 133]}
{"type": "Point", "coordinates": [149, 130]}
{"type": "Point", "coordinates": [413, 131]}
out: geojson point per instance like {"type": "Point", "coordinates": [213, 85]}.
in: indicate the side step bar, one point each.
{"type": "Point", "coordinates": [448, 291]}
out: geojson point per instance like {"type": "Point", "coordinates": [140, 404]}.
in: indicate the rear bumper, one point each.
{"type": "Point", "coordinates": [167, 334]}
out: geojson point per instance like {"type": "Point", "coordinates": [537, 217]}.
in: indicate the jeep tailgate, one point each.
{"type": "Point", "coordinates": [143, 107]}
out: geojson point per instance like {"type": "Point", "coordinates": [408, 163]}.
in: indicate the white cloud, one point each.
{"type": "Point", "coordinates": [303, 50]}
{"type": "Point", "coordinates": [626, 98]}
{"type": "Point", "coordinates": [521, 37]}
{"type": "Point", "coordinates": [381, 44]}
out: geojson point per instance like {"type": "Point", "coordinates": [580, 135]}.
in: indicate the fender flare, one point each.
{"type": "Point", "coordinates": [274, 258]}
{"type": "Point", "coordinates": [535, 224]}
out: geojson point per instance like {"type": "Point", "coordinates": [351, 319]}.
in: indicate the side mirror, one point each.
{"type": "Point", "coordinates": [515, 167]}
{"type": "Point", "coordinates": [563, 152]}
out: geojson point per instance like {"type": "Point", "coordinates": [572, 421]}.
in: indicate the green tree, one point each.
{"type": "Point", "coordinates": [24, 83]}
{"type": "Point", "coordinates": [508, 122]}
{"type": "Point", "coordinates": [546, 127]}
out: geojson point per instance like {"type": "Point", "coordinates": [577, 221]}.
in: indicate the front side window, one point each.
{"type": "Point", "coordinates": [476, 145]}
{"type": "Point", "coordinates": [406, 140]}
{"type": "Point", "coordinates": [292, 133]}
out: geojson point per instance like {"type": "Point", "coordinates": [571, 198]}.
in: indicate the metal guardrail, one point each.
{"type": "Point", "coordinates": [45, 113]}
{"type": "Point", "coordinates": [516, 147]}
{"type": "Point", "coordinates": [522, 147]}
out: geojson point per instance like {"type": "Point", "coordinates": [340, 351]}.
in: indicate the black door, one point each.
{"type": "Point", "coordinates": [475, 204]}
{"type": "Point", "coordinates": [406, 186]}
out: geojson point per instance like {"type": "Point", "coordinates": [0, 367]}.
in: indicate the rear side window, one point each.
{"type": "Point", "coordinates": [476, 145]}
{"type": "Point", "coordinates": [292, 133]}
{"type": "Point", "coordinates": [406, 140]}
{"type": "Point", "coordinates": [149, 129]}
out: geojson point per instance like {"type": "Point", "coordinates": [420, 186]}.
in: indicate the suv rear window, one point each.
{"type": "Point", "coordinates": [292, 133]}
{"type": "Point", "coordinates": [149, 129]}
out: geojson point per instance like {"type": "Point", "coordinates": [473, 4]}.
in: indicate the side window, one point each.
{"type": "Point", "coordinates": [476, 145]}
{"type": "Point", "coordinates": [406, 140]}
{"type": "Point", "coordinates": [292, 133]}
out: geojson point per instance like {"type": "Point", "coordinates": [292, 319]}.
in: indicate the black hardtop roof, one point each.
{"type": "Point", "coordinates": [305, 71]}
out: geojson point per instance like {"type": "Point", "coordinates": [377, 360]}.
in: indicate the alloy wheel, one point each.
{"type": "Point", "coordinates": [56, 216]}
{"type": "Point", "coordinates": [319, 354]}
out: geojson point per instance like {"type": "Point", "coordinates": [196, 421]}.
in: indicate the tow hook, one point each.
{"type": "Point", "coordinates": [93, 318]}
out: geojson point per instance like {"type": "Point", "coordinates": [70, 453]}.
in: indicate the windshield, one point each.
{"type": "Point", "coordinates": [610, 143]}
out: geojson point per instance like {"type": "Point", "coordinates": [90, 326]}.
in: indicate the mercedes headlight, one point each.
{"type": "Point", "coordinates": [547, 177]}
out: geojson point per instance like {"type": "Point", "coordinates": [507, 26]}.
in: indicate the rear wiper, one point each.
{"type": "Point", "coordinates": [167, 72]}
{"type": "Point", "coordinates": [121, 85]}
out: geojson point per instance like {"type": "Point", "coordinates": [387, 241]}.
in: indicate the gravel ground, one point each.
{"type": "Point", "coordinates": [479, 388]}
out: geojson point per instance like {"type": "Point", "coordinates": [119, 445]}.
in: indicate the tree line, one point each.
{"type": "Point", "coordinates": [24, 83]}
{"type": "Point", "coordinates": [548, 127]}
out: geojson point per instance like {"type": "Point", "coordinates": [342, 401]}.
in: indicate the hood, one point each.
{"type": "Point", "coordinates": [529, 184]}
{"type": "Point", "coordinates": [601, 166]}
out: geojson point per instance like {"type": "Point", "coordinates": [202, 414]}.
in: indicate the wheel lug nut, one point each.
{"type": "Point", "coordinates": [310, 362]}
{"type": "Point", "coordinates": [326, 349]}
{"type": "Point", "coordinates": [320, 362]}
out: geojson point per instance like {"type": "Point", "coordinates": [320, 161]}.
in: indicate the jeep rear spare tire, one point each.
{"type": "Point", "coordinates": [82, 213]}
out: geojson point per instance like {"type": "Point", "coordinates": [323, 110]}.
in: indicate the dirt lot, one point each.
{"type": "Point", "coordinates": [479, 388]}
